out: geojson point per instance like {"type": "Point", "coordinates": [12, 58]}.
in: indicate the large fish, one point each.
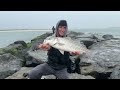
{"type": "Point", "coordinates": [65, 44]}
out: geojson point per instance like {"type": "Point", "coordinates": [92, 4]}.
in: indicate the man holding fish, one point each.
{"type": "Point", "coordinates": [58, 60]}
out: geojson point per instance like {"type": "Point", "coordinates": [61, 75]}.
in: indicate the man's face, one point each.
{"type": "Point", "coordinates": [61, 30]}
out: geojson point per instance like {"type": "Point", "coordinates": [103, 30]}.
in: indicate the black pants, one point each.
{"type": "Point", "coordinates": [45, 69]}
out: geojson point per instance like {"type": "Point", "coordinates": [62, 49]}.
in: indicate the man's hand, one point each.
{"type": "Point", "coordinates": [75, 53]}
{"type": "Point", "coordinates": [44, 46]}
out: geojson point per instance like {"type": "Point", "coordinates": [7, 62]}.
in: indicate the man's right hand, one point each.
{"type": "Point", "coordinates": [75, 53]}
{"type": "Point", "coordinates": [44, 46]}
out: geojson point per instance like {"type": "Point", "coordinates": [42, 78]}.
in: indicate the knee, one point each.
{"type": "Point", "coordinates": [37, 72]}
{"type": "Point", "coordinates": [34, 74]}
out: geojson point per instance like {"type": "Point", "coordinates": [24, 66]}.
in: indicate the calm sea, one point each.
{"type": "Point", "coordinates": [8, 37]}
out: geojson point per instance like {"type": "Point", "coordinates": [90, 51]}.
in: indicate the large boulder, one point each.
{"type": "Point", "coordinates": [21, 42]}
{"type": "Point", "coordinates": [36, 57]}
{"type": "Point", "coordinates": [116, 73]}
{"type": "Point", "coordinates": [107, 37]}
{"type": "Point", "coordinates": [102, 59]}
{"type": "Point", "coordinates": [12, 48]}
{"type": "Point", "coordinates": [9, 64]}
{"type": "Point", "coordinates": [100, 63]}
{"type": "Point", "coordinates": [19, 74]}
{"type": "Point", "coordinates": [87, 41]}
{"type": "Point", "coordinates": [73, 34]}
{"type": "Point", "coordinates": [86, 38]}
{"type": "Point", "coordinates": [16, 48]}
{"type": "Point", "coordinates": [108, 44]}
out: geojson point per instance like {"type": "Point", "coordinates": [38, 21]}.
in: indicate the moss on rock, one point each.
{"type": "Point", "coordinates": [1, 51]}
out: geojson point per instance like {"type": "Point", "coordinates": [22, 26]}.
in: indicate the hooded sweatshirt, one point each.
{"type": "Point", "coordinates": [56, 59]}
{"type": "Point", "coordinates": [61, 23]}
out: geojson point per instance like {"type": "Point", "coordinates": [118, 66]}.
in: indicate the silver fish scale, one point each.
{"type": "Point", "coordinates": [71, 45]}
{"type": "Point", "coordinates": [65, 44]}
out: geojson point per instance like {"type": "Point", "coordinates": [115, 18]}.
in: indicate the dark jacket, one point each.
{"type": "Point", "coordinates": [57, 60]}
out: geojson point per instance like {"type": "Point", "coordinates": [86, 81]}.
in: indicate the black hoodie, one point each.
{"type": "Point", "coordinates": [56, 59]}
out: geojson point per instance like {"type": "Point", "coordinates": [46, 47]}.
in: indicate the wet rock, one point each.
{"type": "Point", "coordinates": [9, 64]}
{"type": "Point", "coordinates": [100, 63]}
{"type": "Point", "coordinates": [19, 74]}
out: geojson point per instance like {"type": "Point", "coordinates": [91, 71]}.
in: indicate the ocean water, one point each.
{"type": "Point", "coordinates": [115, 32]}
{"type": "Point", "coordinates": [8, 37]}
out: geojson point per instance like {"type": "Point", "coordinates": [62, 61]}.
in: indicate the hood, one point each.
{"type": "Point", "coordinates": [61, 23]}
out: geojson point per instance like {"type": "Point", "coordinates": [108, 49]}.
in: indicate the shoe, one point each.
{"type": "Point", "coordinates": [25, 74]}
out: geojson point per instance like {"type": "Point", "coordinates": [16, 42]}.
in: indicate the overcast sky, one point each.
{"type": "Point", "coordinates": [47, 19]}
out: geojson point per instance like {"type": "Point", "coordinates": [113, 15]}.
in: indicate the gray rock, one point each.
{"type": "Point", "coordinates": [86, 38]}
{"type": "Point", "coordinates": [2, 51]}
{"type": "Point", "coordinates": [17, 49]}
{"type": "Point", "coordinates": [11, 46]}
{"type": "Point", "coordinates": [79, 76]}
{"type": "Point", "coordinates": [9, 64]}
{"type": "Point", "coordinates": [88, 42]}
{"type": "Point", "coordinates": [17, 45]}
{"type": "Point", "coordinates": [116, 73]}
{"type": "Point", "coordinates": [107, 37]}
{"type": "Point", "coordinates": [98, 37]}
{"type": "Point", "coordinates": [114, 44]}
{"type": "Point", "coordinates": [73, 34]}
{"type": "Point", "coordinates": [21, 42]}
{"type": "Point", "coordinates": [100, 63]}
{"type": "Point", "coordinates": [19, 74]}
{"type": "Point", "coordinates": [34, 58]}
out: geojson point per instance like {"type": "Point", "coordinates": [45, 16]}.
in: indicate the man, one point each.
{"type": "Point", "coordinates": [53, 29]}
{"type": "Point", "coordinates": [57, 62]}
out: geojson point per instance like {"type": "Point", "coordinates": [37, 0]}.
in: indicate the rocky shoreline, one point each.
{"type": "Point", "coordinates": [102, 62]}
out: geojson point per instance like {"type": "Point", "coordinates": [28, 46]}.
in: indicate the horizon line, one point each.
{"type": "Point", "coordinates": [51, 29]}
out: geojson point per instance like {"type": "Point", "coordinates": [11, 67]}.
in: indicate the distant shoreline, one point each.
{"type": "Point", "coordinates": [24, 30]}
